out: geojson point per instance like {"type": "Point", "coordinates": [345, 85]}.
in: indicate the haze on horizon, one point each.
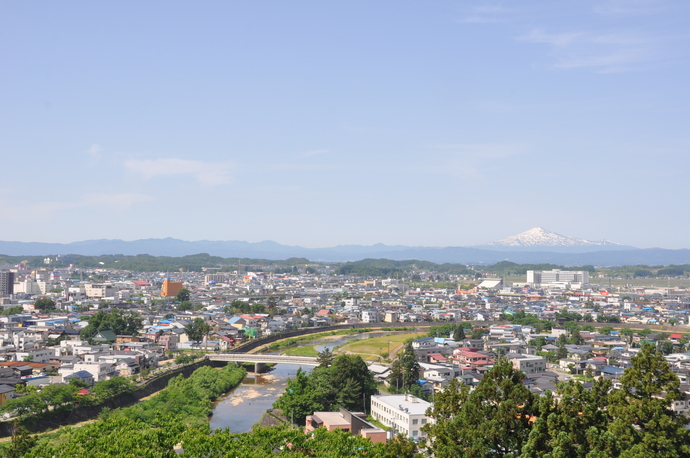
{"type": "Point", "coordinates": [333, 123]}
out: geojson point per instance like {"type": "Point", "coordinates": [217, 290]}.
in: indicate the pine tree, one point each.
{"type": "Point", "coordinates": [404, 370]}
{"type": "Point", "coordinates": [492, 422]}
{"type": "Point", "coordinates": [644, 423]}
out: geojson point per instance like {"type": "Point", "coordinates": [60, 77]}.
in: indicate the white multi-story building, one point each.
{"type": "Point", "coordinates": [371, 316]}
{"type": "Point", "coordinates": [215, 278]}
{"type": "Point", "coordinates": [555, 277]}
{"type": "Point", "coordinates": [99, 290]}
{"type": "Point", "coordinates": [403, 412]}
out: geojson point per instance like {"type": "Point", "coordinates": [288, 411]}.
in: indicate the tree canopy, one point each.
{"type": "Point", "coordinates": [121, 323]}
{"type": "Point", "coordinates": [197, 329]}
{"type": "Point", "coordinates": [346, 383]}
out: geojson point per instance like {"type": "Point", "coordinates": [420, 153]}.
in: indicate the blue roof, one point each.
{"type": "Point", "coordinates": [80, 374]}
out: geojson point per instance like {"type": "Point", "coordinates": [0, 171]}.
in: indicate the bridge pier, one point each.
{"type": "Point", "coordinates": [259, 368]}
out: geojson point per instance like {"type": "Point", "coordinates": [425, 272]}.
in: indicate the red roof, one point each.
{"type": "Point", "coordinates": [676, 336]}
{"type": "Point", "coordinates": [141, 283]}
{"type": "Point", "coordinates": [437, 356]}
{"type": "Point", "coordinates": [83, 391]}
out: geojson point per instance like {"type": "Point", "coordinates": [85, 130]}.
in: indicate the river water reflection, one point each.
{"type": "Point", "coordinates": [240, 409]}
{"type": "Point", "coordinates": [243, 407]}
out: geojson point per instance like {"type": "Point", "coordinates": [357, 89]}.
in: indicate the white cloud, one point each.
{"type": "Point", "coordinates": [22, 212]}
{"type": "Point", "coordinates": [115, 201]}
{"type": "Point", "coordinates": [635, 7]}
{"type": "Point", "coordinates": [466, 161]}
{"type": "Point", "coordinates": [485, 14]}
{"type": "Point", "coordinates": [312, 153]}
{"type": "Point", "coordinates": [206, 173]}
{"type": "Point", "coordinates": [605, 52]}
{"type": "Point", "coordinates": [481, 151]}
{"type": "Point", "coordinates": [94, 151]}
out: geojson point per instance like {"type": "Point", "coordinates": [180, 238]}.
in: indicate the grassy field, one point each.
{"type": "Point", "coordinates": [376, 347]}
{"type": "Point", "coordinates": [307, 350]}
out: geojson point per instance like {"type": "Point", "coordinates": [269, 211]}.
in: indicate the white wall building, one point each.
{"type": "Point", "coordinates": [403, 412]}
{"type": "Point", "coordinates": [557, 277]}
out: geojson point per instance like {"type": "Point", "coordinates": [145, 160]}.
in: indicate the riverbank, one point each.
{"type": "Point", "coordinates": [189, 398]}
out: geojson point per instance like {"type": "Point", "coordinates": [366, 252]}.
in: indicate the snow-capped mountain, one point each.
{"type": "Point", "coordinates": [541, 238]}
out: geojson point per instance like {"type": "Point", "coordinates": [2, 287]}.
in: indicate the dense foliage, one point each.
{"type": "Point", "coordinates": [501, 418]}
{"type": "Point", "coordinates": [389, 268]}
{"type": "Point", "coordinates": [63, 398]}
{"type": "Point", "coordinates": [404, 374]}
{"type": "Point", "coordinates": [346, 382]}
{"type": "Point", "coordinates": [190, 397]}
{"type": "Point", "coordinates": [120, 436]}
{"type": "Point", "coordinates": [121, 323]}
{"type": "Point", "coordinates": [148, 263]}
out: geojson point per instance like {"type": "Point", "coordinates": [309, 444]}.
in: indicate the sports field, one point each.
{"type": "Point", "coordinates": [377, 348]}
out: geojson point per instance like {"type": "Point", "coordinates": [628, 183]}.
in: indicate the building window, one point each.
{"type": "Point", "coordinates": [424, 421]}
{"type": "Point", "coordinates": [414, 421]}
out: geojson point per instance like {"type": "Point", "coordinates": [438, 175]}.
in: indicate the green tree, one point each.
{"type": "Point", "coordinates": [478, 333]}
{"type": "Point", "coordinates": [347, 383]}
{"type": "Point", "coordinates": [111, 388]}
{"type": "Point", "coordinates": [13, 310]}
{"type": "Point", "coordinates": [458, 334]}
{"type": "Point", "coordinates": [401, 447]}
{"type": "Point", "coordinates": [445, 410]}
{"type": "Point", "coordinates": [183, 295]}
{"type": "Point", "coordinates": [197, 329]}
{"type": "Point", "coordinates": [576, 338]}
{"type": "Point", "coordinates": [121, 323]}
{"type": "Point", "coordinates": [404, 370]}
{"type": "Point", "coordinates": [299, 399]}
{"type": "Point", "coordinates": [44, 304]}
{"type": "Point", "coordinates": [493, 421]}
{"type": "Point", "coordinates": [566, 424]}
{"type": "Point", "coordinates": [184, 306]}
{"type": "Point", "coordinates": [325, 358]}
{"type": "Point", "coordinates": [606, 330]}
{"type": "Point", "coordinates": [21, 443]}
{"type": "Point", "coordinates": [562, 350]}
{"type": "Point", "coordinates": [628, 334]}
{"type": "Point", "coordinates": [643, 421]}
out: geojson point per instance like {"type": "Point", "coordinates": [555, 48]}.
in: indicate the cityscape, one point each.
{"type": "Point", "coordinates": [103, 336]}
{"type": "Point", "coordinates": [390, 229]}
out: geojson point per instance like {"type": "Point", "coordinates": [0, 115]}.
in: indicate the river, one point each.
{"type": "Point", "coordinates": [244, 406]}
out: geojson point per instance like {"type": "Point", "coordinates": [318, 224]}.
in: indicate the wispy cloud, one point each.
{"type": "Point", "coordinates": [467, 160]}
{"type": "Point", "coordinates": [94, 151]}
{"type": "Point", "coordinates": [486, 14]}
{"type": "Point", "coordinates": [40, 210]}
{"type": "Point", "coordinates": [312, 153]}
{"type": "Point", "coordinates": [206, 173]}
{"type": "Point", "coordinates": [606, 52]}
{"type": "Point", "coordinates": [635, 7]}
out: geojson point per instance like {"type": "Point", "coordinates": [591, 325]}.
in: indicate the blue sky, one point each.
{"type": "Point", "coordinates": [345, 122]}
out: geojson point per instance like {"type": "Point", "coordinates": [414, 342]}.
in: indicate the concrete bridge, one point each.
{"type": "Point", "coordinates": [260, 360]}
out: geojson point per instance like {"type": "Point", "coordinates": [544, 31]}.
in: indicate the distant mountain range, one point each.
{"type": "Point", "coordinates": [534, 246]}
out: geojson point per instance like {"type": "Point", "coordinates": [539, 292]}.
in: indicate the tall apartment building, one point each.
{"type": "Point", "coordinates": [6, 283]}
{"type": "Point", "coordinates": [215, 278]}
{"type": "Point", "coordinates": [557, 277]}
{"type": "Point", "coordinates": [170, 288]}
